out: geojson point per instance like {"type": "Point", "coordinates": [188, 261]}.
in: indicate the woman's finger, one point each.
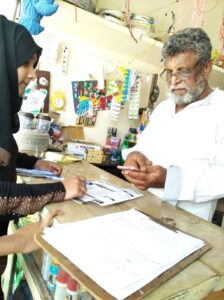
{"type": "Point", "coordinates": [49, 218]}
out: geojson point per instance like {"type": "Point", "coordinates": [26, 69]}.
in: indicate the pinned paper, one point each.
{"type": "Point", "coordinates": [134, 102]}
{"type": "Point", "coordinates": [34, 102]}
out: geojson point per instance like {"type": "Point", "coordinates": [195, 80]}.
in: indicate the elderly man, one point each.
{"type": "Point", "coordinates": [181, 152]}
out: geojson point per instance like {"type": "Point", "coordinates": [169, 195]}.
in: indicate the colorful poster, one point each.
{"type": "Point", "coordinates": [87, 96]}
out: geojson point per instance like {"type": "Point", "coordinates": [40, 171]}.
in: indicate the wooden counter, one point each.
{"type": "Point", "coordinates": [195, 281]}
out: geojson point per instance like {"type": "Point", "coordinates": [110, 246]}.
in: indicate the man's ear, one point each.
{"type": "Point", "coordinates": [208, 69]}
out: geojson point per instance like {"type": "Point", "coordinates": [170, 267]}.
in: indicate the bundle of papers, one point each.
{"type": "Point", "coordinates": [37, 173]}
{"type": "Point", "coordinates": [104, 193]}
{"type": "Point", "coordinates": [129, 246]}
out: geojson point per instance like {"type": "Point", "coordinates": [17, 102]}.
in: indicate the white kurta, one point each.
{"type": "Point", "coordinates": [193, 141]}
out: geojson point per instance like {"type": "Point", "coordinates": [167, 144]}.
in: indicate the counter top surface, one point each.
{"type": "Point", "coordinates": [193, 282]}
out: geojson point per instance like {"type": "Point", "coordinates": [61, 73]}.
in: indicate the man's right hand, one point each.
{"type": "Point", "coordinates": [74, 187]}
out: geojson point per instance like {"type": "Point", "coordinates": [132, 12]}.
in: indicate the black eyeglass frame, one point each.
{"type": "Point", "coordinates": [182, 73]}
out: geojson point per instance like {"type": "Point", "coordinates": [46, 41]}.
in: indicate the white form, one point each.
{"type": "Point", "coordinates": [104, 193]}
{"type": "Point", "coordinates": [128, 245]}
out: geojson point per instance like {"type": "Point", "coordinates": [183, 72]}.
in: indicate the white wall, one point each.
{"type": "Point", "coordinates": [91, 49]}
{"type": "Point", "coordinates": [8, 8]}
{"type": "Point", "coordinates": [85, 58]}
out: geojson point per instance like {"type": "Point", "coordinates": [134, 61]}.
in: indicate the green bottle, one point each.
{"type": "Point", "coordinates": [124, 145]}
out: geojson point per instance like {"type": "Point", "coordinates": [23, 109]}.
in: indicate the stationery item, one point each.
{"type": "Point", "coordinates": [130, 246]}
{"type": "Point", "coordinates": [130, 168]}
{"type": "Point", "coordinates": [88, 183]}
{"type": "Point", "coordinates": [103, 193]}
{"type": "Point", "coordinates": [37, 173]}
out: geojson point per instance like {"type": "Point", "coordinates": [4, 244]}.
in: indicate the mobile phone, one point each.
{"type": "Point", "coordinates": [130, 168]}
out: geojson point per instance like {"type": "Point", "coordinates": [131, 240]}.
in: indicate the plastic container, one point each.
{"type": "Point", "coordinates": [45, 270]}
{"type": "Point", "coordinates": [26, 120]}
{"type": "Point", "coordinates": [43, 123]}
{"type": "Point", "coordinates": [61, 285]}
{"type": "Point", "coordinates": [53, 274]}
{"type": "Point", "coordinates": [124, 145]}
{"type": "Point", "coordinates": [72, 289]}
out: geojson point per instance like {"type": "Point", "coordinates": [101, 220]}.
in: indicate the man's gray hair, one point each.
{"type": "Point", "coordinates": [189, 39]}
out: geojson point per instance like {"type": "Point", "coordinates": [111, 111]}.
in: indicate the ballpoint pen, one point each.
{"type": "Point", "coordinates": [88, 183]}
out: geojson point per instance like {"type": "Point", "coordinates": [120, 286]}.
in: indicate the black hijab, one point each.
{"type": "Point", "coordinates": [16, 47]}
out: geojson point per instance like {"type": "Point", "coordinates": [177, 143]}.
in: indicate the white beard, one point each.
{"type": "Point", "coordinates": [192, 93]}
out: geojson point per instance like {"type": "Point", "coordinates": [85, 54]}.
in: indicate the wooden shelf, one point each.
{"type": "Point", "coordinates": [95, 30]}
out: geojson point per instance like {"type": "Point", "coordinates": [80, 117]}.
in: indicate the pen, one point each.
{"type": "Point", "coordinates": [54, 177]}
{"type": "Point", "coordinates": [88, 183]}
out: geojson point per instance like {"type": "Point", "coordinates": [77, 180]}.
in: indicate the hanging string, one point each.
{"type": "Point", "coordinates": [128, 18]}
{"type": "Point", "coordinates": [164, 6]}
{"type": "Point", "coordinates": [171, 27]}
{"type": "Point", "coordinates": [75, 3]}
{"type": "Point", "coordinates": [196, 19]}
{"type": "Point", "coordinates": [169, 8]}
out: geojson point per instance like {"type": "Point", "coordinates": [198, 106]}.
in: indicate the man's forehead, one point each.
{"type": "Point", "coordinates": [182, 59]}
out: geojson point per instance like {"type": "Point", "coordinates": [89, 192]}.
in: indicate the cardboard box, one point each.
{"type": "Point", "coordinates": [94, 156]}
{"type": "Point", "coordinates": [80, 148]}
{"type": "Point", "coordinates": [73, 132]}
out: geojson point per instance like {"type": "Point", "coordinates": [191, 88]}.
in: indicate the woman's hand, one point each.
{"type": "Point", "coordinates": [22, 241]}
{"type": "Point", "coordinates": [74, 187]}
{"type": "Point", "coordinates": [49, 166]}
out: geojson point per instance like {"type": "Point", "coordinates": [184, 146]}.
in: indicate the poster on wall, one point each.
{"type": "Point", "coordinates": [88, 99]}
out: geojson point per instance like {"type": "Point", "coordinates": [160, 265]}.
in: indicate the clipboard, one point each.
{"type": "Point", "coordinates": [97, 291]}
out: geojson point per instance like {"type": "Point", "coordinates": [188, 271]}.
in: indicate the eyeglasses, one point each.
{"type": "Point", "coordinates": [182, 73]}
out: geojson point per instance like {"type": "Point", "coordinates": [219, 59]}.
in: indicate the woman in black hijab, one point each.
{"type": "Point", "coordinates": [19, 56]}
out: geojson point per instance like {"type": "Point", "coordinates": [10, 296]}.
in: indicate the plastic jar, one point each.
{"type": "Point", "coordinates": [43, 123]}
{"type": "Point", "coordinates": [26, 120]}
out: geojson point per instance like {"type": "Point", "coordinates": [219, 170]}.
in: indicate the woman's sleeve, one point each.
{"type": "Point", "coordinates": [26, 161]}
{"type": "Point", "coordinates": [23, 199]}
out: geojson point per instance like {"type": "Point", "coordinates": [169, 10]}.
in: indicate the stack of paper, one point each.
{"type": "Point", "coordinates": [129, 246]}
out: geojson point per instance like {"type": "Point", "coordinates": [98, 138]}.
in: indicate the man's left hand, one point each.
{"type": "Point", "coordinates": [46, 165]}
